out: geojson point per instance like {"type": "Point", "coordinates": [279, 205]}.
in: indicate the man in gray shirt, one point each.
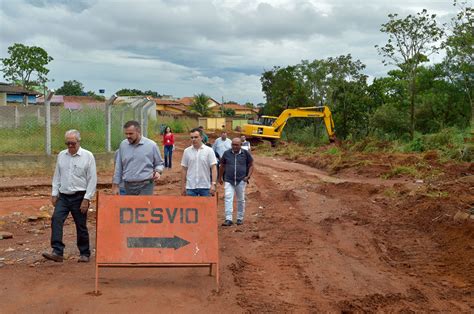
{"type": "Point", "coordinates": [138, 162]}
{"type": "Point", "coordinates": [74, 184]}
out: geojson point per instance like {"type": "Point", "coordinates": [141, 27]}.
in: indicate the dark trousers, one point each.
{"type": "Point", "coordinates": [139, 188]}
{"type": "Point", "coordinates": [168, 156]}
{"type": "Point", "coordinates": [64, 205]}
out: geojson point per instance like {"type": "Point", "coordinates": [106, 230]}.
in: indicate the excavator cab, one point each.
{"type": "Point", "coordinates": [263, 120]}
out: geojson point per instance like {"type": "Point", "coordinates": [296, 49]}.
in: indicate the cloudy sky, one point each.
{"type": "Point", "coordinates": [185, 47]}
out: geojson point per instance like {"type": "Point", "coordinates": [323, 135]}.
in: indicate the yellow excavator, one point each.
{"type": "Point", "coordinates": [270, 127]}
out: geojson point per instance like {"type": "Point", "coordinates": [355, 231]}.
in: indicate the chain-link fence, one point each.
{"type": "Point", "coordinates": [23, 128]}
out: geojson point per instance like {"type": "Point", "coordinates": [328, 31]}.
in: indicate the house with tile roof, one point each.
{"type": "Point", "coordinates": [74, 102]}
{"type": "Point", "coordinates": [13, 94]}
{"type": "Point", "coordinates": [240, 110]}
{"type": "Point", "coordinates": [188, 101]}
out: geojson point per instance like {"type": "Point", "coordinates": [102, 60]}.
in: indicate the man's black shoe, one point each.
{"type": "Point", "coordinates": [53, 256]}
{"type": "Point", "coordinates": [227, 223]}
{"type": "Point", "coordinates": [240, 222]}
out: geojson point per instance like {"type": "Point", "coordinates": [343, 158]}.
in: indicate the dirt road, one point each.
{"type": "Point", "coordinates": [311, 242]}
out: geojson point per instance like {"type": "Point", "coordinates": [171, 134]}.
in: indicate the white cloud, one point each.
{"type": "Point", "coordinates": [184, 47]}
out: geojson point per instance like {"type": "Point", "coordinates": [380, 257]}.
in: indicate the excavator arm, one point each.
{"type": "Point", "coordinates": [275, 130]}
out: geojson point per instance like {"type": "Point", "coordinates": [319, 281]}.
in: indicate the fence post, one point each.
{"type": "Point", "coordinates": [108, 123]}
{"type": "Point", "coordinates": [144, 115]}
{"type": "Point", "coordinates": [17, 117]}
{"type": "Point", "coordinates": [137, 110]}
{"type": "Point", "coordinates": [47, 122]}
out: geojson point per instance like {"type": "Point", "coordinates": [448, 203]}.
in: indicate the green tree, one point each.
{"type": "Point", "coordinates": [229, 112]}
{"type": "Point", "coordinates": [459, 60]}
{"type": "Point", "coordinates": [411, 40]}
{"type": "Point", "coordinates": [201, 105]}
{"type": "Point", "coordinates": [284, 88]}
{"type": "Point", "coordinates": [442, 103]}
{"type": "Point", "coordinates": [136, 92]}
{"type": "Point", "coordinates": [71, 88]}
{"type": "Point", "coordinates": [26, 64]}
{"type": "Point", "coordinates": [336, 82]}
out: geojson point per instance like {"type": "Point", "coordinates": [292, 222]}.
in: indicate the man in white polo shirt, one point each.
{"type": "Point", "coordinates": [197, 164]}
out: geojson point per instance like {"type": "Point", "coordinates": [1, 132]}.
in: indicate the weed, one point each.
{"type": "Point", "coordinates": [389, 192]}
{"type": "Point", "coordinates": [437, 194]}
{"type": "Point", "coordinates": [401, 170]}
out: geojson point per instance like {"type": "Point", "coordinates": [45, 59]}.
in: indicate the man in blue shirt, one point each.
{"type": "Point", "coordinates": [235, 170]}
{"type": "Point", "coordinates": [138, 163]}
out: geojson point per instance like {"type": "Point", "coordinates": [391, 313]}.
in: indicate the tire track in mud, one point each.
{"type": "Point", "coordinates": [276, 281]}
{"type": "Point", "coordinates": [334, 248]}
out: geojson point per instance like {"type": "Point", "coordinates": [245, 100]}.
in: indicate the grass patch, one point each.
{"type": "Point", "coordinates": [401, 171]}
{"type": "Point", "coordinates": [332, 151]}
{"type": "Point", "coordinates": [437, 194]}
{"type": "Point", "coordinates": [389, 192]}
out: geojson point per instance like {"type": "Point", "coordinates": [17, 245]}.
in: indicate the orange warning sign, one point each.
{"type": "Point", "coordinates": [156, 230]}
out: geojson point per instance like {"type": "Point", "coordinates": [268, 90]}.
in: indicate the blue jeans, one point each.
{"type": "Point", "coordinates": [197, 192]}
{"type": "Point", "coordinates": [229, 191]}
{"type": "Point", "coordinates": [64, 205]}
{"type": "Point", "coordinates": [168, 156]}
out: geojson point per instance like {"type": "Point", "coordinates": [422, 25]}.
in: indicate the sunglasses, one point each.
{"type": "Point", "coordinates": [193, 137]}
{"type": "Point", "coordinates": [70, 143]}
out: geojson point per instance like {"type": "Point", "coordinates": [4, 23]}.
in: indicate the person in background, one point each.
{"type": "Point", "coordinates": [236, 170]}
{"type": "Point", "coordinates": [245, 143]}
{"type": "Point", "coordinates": [220, 145]}
{"type": "Point", "coordinates": [74, 185]}
{"type": "Point", "coordinates": [205, 138]}
{"type": "Point", "coordinates": [197, 164]}
{"type": "Point", "coordinates": [138, 163]}
{"type": "Point", "coordinates": [168, 143]}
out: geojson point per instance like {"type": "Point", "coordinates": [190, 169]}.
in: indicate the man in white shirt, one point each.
{"type": "Point", "coordinates": [222, 144]}
{"type": "Point", "coordinates": [197, 164]}
{"type": "Point", "coordinates": [74, 185]}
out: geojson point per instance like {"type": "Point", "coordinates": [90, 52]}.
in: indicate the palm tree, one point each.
{"type": "Point", "coordinates": [201, 105]}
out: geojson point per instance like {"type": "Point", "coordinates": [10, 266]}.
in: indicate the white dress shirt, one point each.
{"type": "Point", "coordinates": [220, 146]}
{"type": "Point", "coordinates": [75, 173]}
{"type": "Point", "coordinates": [198, 163]}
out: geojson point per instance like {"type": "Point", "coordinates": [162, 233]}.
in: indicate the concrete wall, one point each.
{"type": "Point", "coordinates": [3, 99]}
{"type": "Point", "coordinates": [238, 122]}
{"type": "Point", "coordinates": [212, 123]}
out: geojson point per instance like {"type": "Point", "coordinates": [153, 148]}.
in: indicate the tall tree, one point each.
{"type": "Point", "coordinates": [71, 88]}
{"type": "Point", "coordinates": [411, 40]}
{"type": "Point", "coordinates": [284, 88]}
{"type": "Point", "coordinates": [459, 60]}
{"type": "Point", "coordinates": [26, 64]}
{"type": "Point", "coordinates": [201, 105]}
